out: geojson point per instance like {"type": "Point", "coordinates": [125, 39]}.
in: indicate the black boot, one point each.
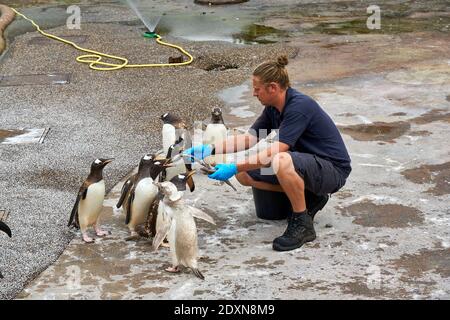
{"type": "Point", "coordinates": [300, 230]}
{"type": "Point", "coordinates": [315, 203]}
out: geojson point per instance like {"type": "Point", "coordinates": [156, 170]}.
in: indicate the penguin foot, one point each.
{"type": "Point", "coordinates": [102, 233]}
{"type": "Point", "coordinates": [172, 269]}
{"type": "Point", "coordinates": [88, 239]}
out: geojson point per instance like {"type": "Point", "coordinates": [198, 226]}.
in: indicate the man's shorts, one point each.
{"type": "Point", "coordinates": [321, 176]}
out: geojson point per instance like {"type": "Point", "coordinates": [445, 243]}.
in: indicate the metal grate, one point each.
{"type": "Point", "coordinates": [23, 136]}
{"type": "Point", "coordinates": [35, 79]}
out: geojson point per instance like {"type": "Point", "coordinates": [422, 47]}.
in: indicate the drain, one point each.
{"type": "Point", "coordinates": [35, 79]}
{"type": "Point", "coordinates": [23, 136]}
{"type": "Point", "coordinates": [48, 41]}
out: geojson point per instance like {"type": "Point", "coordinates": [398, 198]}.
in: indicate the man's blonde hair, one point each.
{"type": "Point", "coordinates": [274, 71]}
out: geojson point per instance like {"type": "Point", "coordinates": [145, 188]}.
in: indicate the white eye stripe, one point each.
{"type": "Point", "coordinates": [165, 115]}
{"type": "Point", "coordinates": [147, 157]}
{"type": "Point", "coordinates": [157, 163]}
{"type": "Point", "coordinates": [180, 176]}
{"type": "Point", "coordinates": [98, 161]}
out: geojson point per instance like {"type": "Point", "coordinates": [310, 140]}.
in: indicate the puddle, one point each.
{"type": "Point", "coordinates": [432, 116]}
{"type": "Point", "coordinates": [427, 260]}
{"type": "Point", "coordinates": [34, 79]}
{"type": "Point", "coordinates": [22, 136]}
{"type": "Point", "coordinates": [369, 214]}
{"type": "Point", "coordinates": [438, 174]}
{"type": "Point", "coordinates": [377, 131]}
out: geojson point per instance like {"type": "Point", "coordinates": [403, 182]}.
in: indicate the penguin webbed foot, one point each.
{"type": "Point", "coordinates": [88, 239]}
{"type": "Point", "coordinates": [102, 233]}
{"type": "Point", "coordinates": [173, 269]}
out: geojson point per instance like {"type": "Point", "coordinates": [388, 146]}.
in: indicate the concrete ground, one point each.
{"type": "Point", "coordinates": [383, 236]}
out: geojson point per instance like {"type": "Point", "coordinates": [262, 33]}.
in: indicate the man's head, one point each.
{"type": "Point", "coordinates": [270, 80]}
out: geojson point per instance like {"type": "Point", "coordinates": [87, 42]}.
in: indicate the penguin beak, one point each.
{"type": "Point", "coordinates": [5, 228]}
{"type": "Point", "coordinates": [106, 161]}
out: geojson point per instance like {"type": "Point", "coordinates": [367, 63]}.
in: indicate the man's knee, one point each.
{"type": "Point", "coordinates": [244, 179]}
{"type": "Point", "coordinates": [282, 163]}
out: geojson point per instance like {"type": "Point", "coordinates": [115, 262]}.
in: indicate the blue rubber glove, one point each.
{"type": "Point", "coordinates": [224, 171]}
{"type": "Point", "coordinates": [200, 152]}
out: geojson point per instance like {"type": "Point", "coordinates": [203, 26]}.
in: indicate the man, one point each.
{"type": "Point", "coordinates": [308, 156]}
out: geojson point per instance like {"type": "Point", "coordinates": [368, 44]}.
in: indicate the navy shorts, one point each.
{"type": "Point", "coordinates": [320, 176]}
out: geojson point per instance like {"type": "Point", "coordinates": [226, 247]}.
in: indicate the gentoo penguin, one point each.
{"type": "Point", "coordinates": [173, 128]}
{"type": "Point", "coordinates": [7, 230]}
{"type": "Point", "coordinates": [155, 216]}
{"type": "Point", "coordinates": [139, 192]}
{"type": "Point", "coordinates": [179, 225]}
{"type": "Point", "coordinates": [176, 138]}
{"type": "Point", "coordinates": [215, 131]}
{"type": "Point", "coordinates": [89, 202]}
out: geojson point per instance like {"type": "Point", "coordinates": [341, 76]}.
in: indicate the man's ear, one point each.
{"type": "Point", "coordinates": [274, 87]}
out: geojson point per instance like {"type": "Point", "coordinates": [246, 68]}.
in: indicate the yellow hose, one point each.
{"type": "Point", "coordinates": [94, 58]}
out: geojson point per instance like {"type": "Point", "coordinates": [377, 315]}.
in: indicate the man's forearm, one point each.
{"type": "Point", "coordinates": [235, 144]}
{"type": "Point", "coordinates": [263, 158]}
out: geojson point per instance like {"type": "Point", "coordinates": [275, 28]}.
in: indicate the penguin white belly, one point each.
{"type": "Point", "coordinates": [215, 132]}
{"type": "Point", "coordinates": [186, 247]}
{"type": "Point", "coordinates": [169, 136]}
{"type": "Point", "coordinates": [178, 168]}
{"type": "Point", "coordinates": [89, 208]}
{"type": "Point", "coordinates": [144, 194]}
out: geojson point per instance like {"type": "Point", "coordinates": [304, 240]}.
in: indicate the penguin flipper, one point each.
{"type": "Point", "coordinates": [130, 202]}
{"type": "Point", "coordinates": [197, 213]}
{"type": "Point", "coordinates": [5, 228]}
{"type": "Point", "coordinates": [153, 214]}
{"type": "Point", "coordinates": [123, 193]}
{"type": "Point", "coordinates": [161, 233]}
{"type": "Point", "coordinates": [198, 273]}
{"type": "Point", "coordinates": [82, 193]}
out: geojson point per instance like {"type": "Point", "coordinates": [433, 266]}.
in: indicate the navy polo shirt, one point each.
{"type": "Point", "coordinates": [306, 128]}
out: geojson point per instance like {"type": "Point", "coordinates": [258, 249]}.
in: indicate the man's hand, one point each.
{"type": "Point", "coordinates": [224, 171]}
{"type": "Point", "coordinates": [200, 152]}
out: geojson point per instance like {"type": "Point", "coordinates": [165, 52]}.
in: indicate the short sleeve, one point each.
{"type": "Point", "coordinates": [262, 124]}
{"type": "Point", "coordinates": [292, 126]}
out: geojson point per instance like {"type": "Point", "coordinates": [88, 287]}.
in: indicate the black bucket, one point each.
{"type": "Point", "coordinates": [271, 205]}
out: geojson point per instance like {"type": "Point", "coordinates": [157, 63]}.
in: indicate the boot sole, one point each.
{"type": "Point", "coordinates": [278, 247]}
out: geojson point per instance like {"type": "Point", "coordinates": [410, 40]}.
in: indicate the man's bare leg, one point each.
{"type": "Point", "coordinates": [292, 184]}
{"type": "Point", "coordinates": [245, 180]}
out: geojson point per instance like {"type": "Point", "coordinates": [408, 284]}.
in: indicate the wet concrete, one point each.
{"type": "Point", "coordinates": [439, 175]}
{"type": "Point", "coordinates": [382, 236]}
{"type": "Point", "coordinates": [382, 131]}
{"type": "Point", "coordinates": [368, 214]}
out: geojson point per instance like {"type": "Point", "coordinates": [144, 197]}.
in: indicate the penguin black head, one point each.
{"type": "Point", "coordinates": [169, 118]}
{"type": "Point", "coordinates": [180, 180]}
{"type": "Point", "coordinates": [158, 165]}
{"type": "Point", "coordinates": [99, 164]}
{"type": "Point", "coordinates": [216, 115]}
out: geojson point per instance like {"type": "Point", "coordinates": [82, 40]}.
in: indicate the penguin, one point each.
{"type": "Point", "coordinates": [89, 202]}
{"type": "Point", "coordinates": [180, 228]}
{"type": "Point", "coordinates": [138, 192]}
{"type": "Point", "coordinates": [155, 217]}
{"type": "Point", "coordinates": [215, 131]}
{"type": "Point", "coordinates": [4, 227]}
{"type": "Point", "coordinates": [173, 128]}
{"type": "Point", "coordinates": [176, 138]}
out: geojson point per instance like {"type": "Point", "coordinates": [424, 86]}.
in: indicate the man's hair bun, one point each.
{"type": "Point", "coordinates": [282, 61]}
